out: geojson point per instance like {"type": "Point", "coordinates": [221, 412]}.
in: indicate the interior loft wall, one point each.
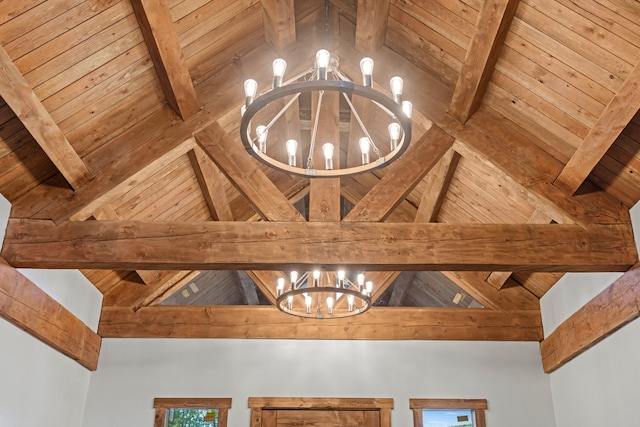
{"type": "Point", "coordinates": [38, 385]}
{"type": "Point", "coordinates": [132, 372]}
{"type": "Point", "coordinates": [600, 386]}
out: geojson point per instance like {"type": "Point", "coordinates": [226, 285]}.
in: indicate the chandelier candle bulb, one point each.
{"type": "Point", "coordinates": [407, 108]}
{"type": "Point", "coordinates": [294, 279]}
{"type": "Point", "coordinates": [396, 88]}
{"type": "Point", "coordinates": [330, 305]}
{"type": "Point", "coordinates": [394, 135]}
{"type": "Point", "coordinates": [292, 148]}
{"type": "Point", "coordinates": [327, 149]}
{"type": "Point", "coordinates": [250, 90]}
{"type": "Point", "coordinates": [316, 278]}
{"type": "Point", "coordinates": [322, 62]}
{"type": "Point", "coordinates": [350, 301]}
{"type": "Point", "coordinates": [280, 286]}
{"type": "Point", "coordinates": [341, 275]}
{"type": "Point", "coordinates": [290, 302]}
{"type": "Point", "coordinates": [279, 67]}
{"type": "Point", "coordinates": [360, 280]}
{"type": "Point", "coordinates": [365, 145]}
{"type": "Point", "coordinates": [262, 132]}
{"type": "Point", "coordinates": [366, 66]}
{"type": "Point", "coordinates": [307, 302]}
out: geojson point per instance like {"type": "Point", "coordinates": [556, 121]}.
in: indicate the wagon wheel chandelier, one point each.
{"type": "Point", "coordinates": [323, 295]}
{"type": "Point", "coordinates": [261, 114]}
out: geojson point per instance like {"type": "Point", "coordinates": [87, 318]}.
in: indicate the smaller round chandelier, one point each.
{"type": "Point", "coordinates": [323, 295]}
{"type": "Point", "coordinates": [263, 114]}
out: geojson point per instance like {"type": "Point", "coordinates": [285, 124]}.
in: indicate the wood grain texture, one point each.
{"type": "Point", "coordinates": [267, 322]}
{"type": "Point", "coordinates": [216, 245]}
{"type": "Point", "coordinates": [371, 24]}
{"type": "Point", "coordinates": [243, 171]}
{"type": "Point", "coordinates": [26, 306]}
{"type": "Point", "coordinates": [279, 21]}
{"type": "Point", "coordinates": [162, 41]}
{"type": "Point", "coordinates": [18, 94]}
{"type": "Point", "coordinates": [618, 113]}
{"type": "Point", "coordinates": [486, 44]}
{"type": "Point", "coordinates": [610, 310]}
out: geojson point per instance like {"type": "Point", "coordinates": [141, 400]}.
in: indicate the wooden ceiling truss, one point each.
{"type": "Point", "coordinates": [489, 132]}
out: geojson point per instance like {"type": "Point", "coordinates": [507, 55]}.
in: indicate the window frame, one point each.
{"type": "Point", "coordinates": [161, 404]}
{"type": "Point", "coordinates": [478, 407]}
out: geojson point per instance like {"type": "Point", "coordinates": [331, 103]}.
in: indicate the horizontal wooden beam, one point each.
{"type": "Point", "coordinates": [28, 307]}
{"type": "Point", "coordinates": [610, 310]}
{"type": "Point", "coordinates": [214, 245]}
{"type": "Point", "coordinates": [267, 322]}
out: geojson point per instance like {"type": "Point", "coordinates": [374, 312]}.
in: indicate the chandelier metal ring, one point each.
{"type": "Point", "coordinates": [344, 87]}
{"type": "Point", "coordinates": [362, 302]}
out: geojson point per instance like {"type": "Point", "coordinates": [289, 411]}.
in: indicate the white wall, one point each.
{"type": "Point", "coordinates": [600, 386]}
{"type": "Point", "coordinates": [38, 385]}
{"type": "Point", "coordinates": [132, 372]}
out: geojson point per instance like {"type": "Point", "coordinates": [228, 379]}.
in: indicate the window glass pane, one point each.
{"type": "Point", "coordinates": [447, 418]}
{"type": "Point", "coordinates": [182, 417]}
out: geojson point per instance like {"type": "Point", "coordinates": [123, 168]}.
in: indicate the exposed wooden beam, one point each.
{"type": "Point", "coordinates": [162, 41]}
{"type": "Point", "coordinates": [402, 176]}
{"type": "Point", "coordinates": [437, 185]}
{"type": "Point", "coordinates": [618, 113]}
{"type": "Point", "coordinates": [371, 24]}
{"type": "Point", "coordinates": [372, 246]}
{"type": "Point", "coordinates": [484, 49]}
{"type": "Point", "coordinates": [211, 181]}
{"type": "Point", "coordinates": [244, 173]}
{"type": "Point", "coordinates": [248, 288]}
{"type": "Point", "coordinates": [324, 193]}
{"type": "Point", "coordinates": [267, 322]}
{"type": "Point", "coordinates": [500, 279]}
{"type": "Point", "coordinates": [610, 310]}
{"type": "Point", "coordinates": [108, 213]}
{"type": "Point", "coordinates": [279, 20]}
{"type": "Point", "coordinates": [19, 96]}
{"type": "Point", "coordinates": [28, 307]}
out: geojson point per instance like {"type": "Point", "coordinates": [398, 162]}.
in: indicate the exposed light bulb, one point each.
{"type": "Point", "coordinates": [279, 67]}
{"type": "Point", "coordinates": [360, 280]}
{"type": "Point", "coordinates": [369, 287]}
{"type": "Point", "coordinates": [396, 88]}
{"type": "Point", "coordinates": [316, 278]}
{"type": "Point", "coordinates": [294, 276]}
{"type": "Point", "coordinates": [290, 301]}
{"type": "Point", "coordinates": [366, 66]}
{"type": "Point", "coordinates": [280, 286]}
{"type": "Point", "coordinates": [322, 62]}
{"type": "Point", "coordinates": [327, 150]}
{"type": "Point", "coordinates": [365, 146]}
{"type": "Point", "coordinates": [407, 108]}
{"type": "Point", "coordinates": [350, 300]}
{"type": "Point", "coordinates": [394, 135]}
{"type": "Point", "coordinates": [250, 89]}
{"type": "Point", "coordinates": [308, 301]}
{"type": "Point", "coordinates": [330, 305]}
{"type": "Point", "coordinates": [262, 132]}
{"type": "Point", "coordinates": [292, 148]}
{"type": "Point", "coordinates": [341, 276]}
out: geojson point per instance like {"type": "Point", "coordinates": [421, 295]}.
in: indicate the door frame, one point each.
{"type": "Point", "coordinates": [381, 405]}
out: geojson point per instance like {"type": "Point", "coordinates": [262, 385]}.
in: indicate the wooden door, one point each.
{"type": "Point", "coordinates": [293, 412]}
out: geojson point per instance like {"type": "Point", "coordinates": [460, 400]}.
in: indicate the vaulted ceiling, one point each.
{"type": "Point", "coordinates": [121, 156]}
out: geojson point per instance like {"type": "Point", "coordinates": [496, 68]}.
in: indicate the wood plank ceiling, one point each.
{"type": "Point", "coordinates": [120, 154]}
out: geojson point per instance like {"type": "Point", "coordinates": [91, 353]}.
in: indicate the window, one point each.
{"type": "Point", "coordinates": [448, 412]}
{"type": "Point", "coordinates": [191, 412]}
